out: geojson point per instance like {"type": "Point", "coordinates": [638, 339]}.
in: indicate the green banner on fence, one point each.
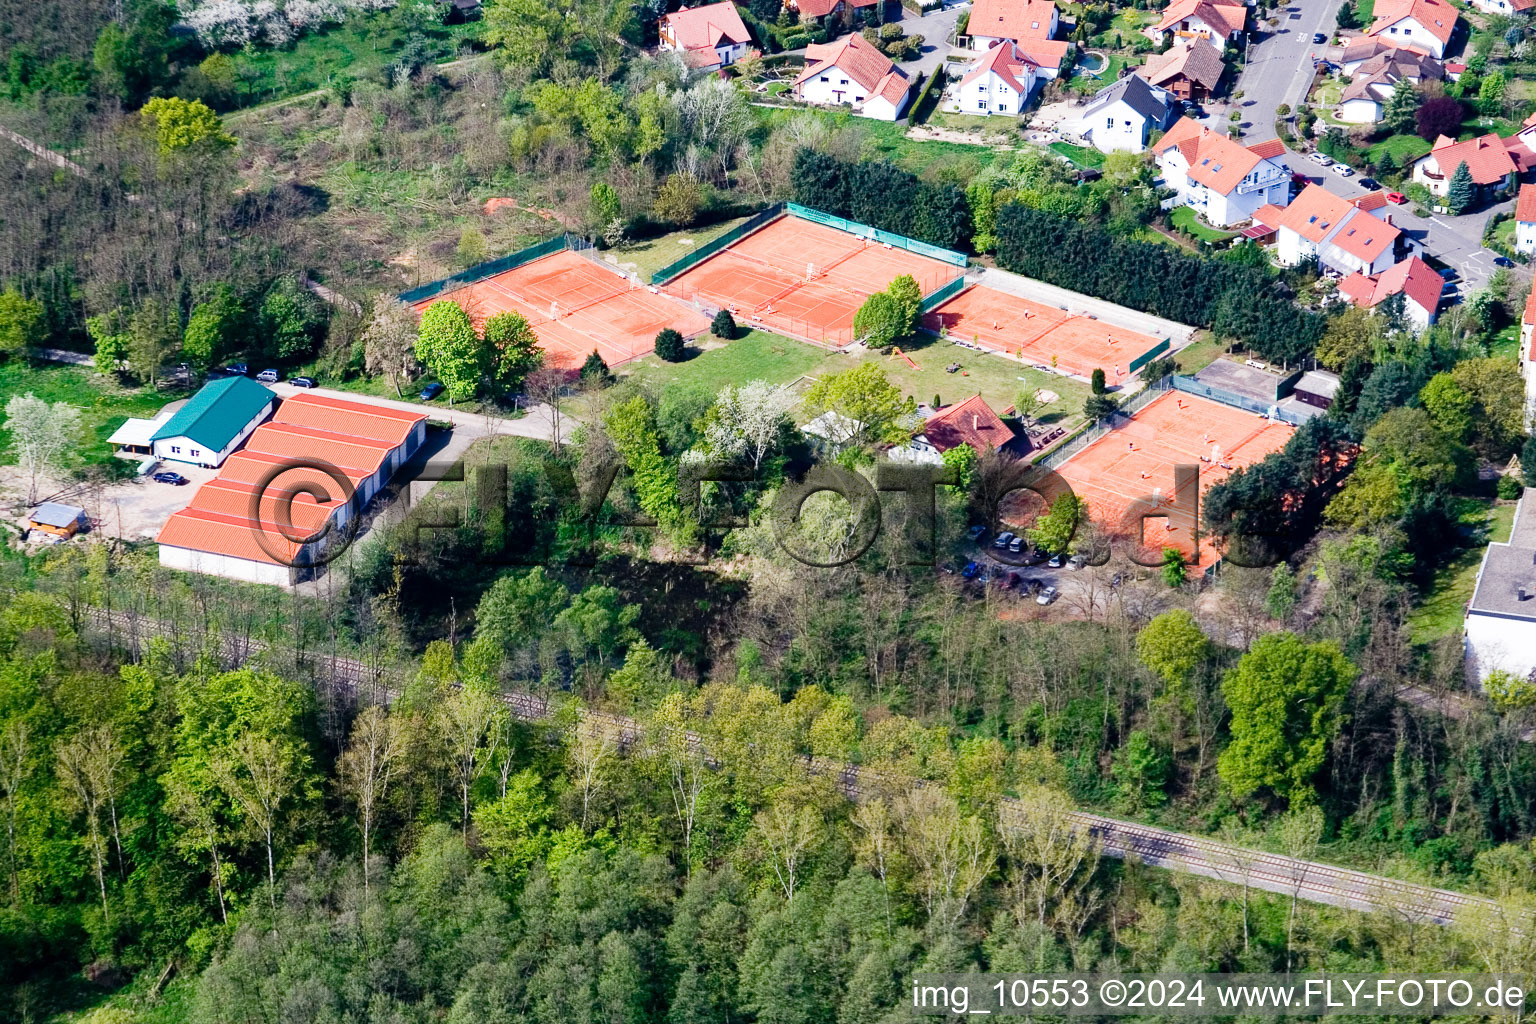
{"type": "Point", "coordinates": [709, 248]}
{"type": "Point", "coordinates": [944, 293]}
{"type": "Point", "coordinates": [1149, 355]}
{"type": "Point", "coordinates": [481, 271]}
{"type": "Point", "coordinates": [890, 238]}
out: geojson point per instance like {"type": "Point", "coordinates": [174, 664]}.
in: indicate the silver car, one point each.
{"type": "Point", "coordinates": [1046, 595]}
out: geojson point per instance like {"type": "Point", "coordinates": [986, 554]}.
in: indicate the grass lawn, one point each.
{"type": "Point", "coordinates": [1443, 609]}
{"type": "Point", "coordinates": [103, 404]}
{"type": "Point", "coordinates": [1200, 353]}
{"type": "Point", "coordinates": [1402, 147]}
{"type": "Point", "coordinates": [1506, 344]}
{"type": "Point", "coordinates": [1091, 83]}
{"type": "Point", "coordinates": [1082, 156]}
{"type": "Point", "coordinates": [1186, 218]}
{"type": "Point", "coordinates": [651, 255]}
{"type": "Point", "coordinates": [879, 140]}
{"type": "Point", "coordinates": [1366, 9]}
{"type": "Point", "coordinates": [1504, 232]}
{"type": "Point", "coordinates": [989, 124]}
{"type": "Point", "coordinates": [762, 356]}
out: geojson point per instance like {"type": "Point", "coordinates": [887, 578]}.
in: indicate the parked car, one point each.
{"type": "Point", "coordinates": [969, 572]}
{"type": "Point", "coordinates": [1503, 261]}
{"type": "Point", "coordinates": [1034, 556]}
{"type": "Point", "coordinates": [1448, 273]}
{"type": "Point", "coordinates": [267, 376]}
{"type": "Point", "coordinates": [1046, 595]}
{"type": "Point", "coordinates": [1015, 580]}
{"type": "Point", "coordinates": [1397, 198]}
{"type": "Point", "coordinates": [1321, 158]}
{"type": "Point", "coordinates": [1370, 184]}
{"type": "Point", "coordinates": [236, 370]}
{"type": "Point", "coordinates": [975, 533]}
{"type": "Point", "coordinates": [431, 391]}
{"type": "Point", "coordinates": [1320, 38]}
{"type": "Point", "coordinates": [1057, 560]}
{"type": "Point", "coordinates": [1016, 545]}
{"type": "Point", "coordinates": [1003, 540]}
{"type": "Point", "coordinates": [1076, 562]}
{"type": "Point", "coordinates": [167, 477]}
{"type": "Point", "coordinates": [1030, 586]}
{"type": "Point", "coordinates": [303, 382]}
{"type": "Point", "coordinates": [1343, 170]}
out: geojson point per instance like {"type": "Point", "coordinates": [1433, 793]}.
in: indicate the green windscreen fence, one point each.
{"type": "Point", "coordinates": [944, 293]}
{"type": "Point", "coordinates": [481, 271]}
{"type": "Point", "coordinates": [890, 238]}
{"type": "Point", "coordinates": [1149, 355]}
{"type": "Point", "coordinates": [709, 248]}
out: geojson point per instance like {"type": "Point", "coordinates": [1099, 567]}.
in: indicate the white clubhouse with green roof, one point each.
{"type": "Point", "coordinates": [213, 423]}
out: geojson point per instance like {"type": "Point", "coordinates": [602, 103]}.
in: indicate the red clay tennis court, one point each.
{"type": "Point", "coordinates": [1039, 334]}
{"type": "Point", "coordinates": [1137, 461]}
{"type": "Point", "coordinates": [575, 306]}
{"type": "Point", "coordinates": [804, 279]}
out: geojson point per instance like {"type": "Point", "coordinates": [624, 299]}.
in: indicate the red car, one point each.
{"type": "Point", "coordinates": [1396, 197]}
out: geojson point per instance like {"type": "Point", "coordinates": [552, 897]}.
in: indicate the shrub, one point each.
{"type": "Point", "coordinates": [1097, 381]}
{"type": "Point", "coordinates": [1509, 692]}
{"type": "Point", "coordinates": [723, 325]}
{"type": "Point", "coordinates": [669, 345]}
{"type": "Point", "coordinates": [595, 369]}
{"type": "Point", "coordinates": [1510, 488]}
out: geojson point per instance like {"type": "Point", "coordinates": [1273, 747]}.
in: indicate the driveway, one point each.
{"type": "Point", "coordinates": [935, 28]}
{"type": "Point", "coordinates": [133, 509]}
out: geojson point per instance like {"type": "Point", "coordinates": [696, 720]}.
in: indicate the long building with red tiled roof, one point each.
{"type": "Point", "coordinates": [280, 503]}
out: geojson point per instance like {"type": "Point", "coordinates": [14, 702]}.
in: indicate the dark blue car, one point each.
{"type": "Point", "coordinates": [970, 570]}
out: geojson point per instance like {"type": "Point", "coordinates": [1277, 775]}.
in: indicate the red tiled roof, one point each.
{"type": "Point", "coordinates": [1223, 19]}
{"type": "Point", "coordinates": [1005, 61]}
{"type": "Point", "coordinates": [1412, 276]}
{"type": "Point", "coordinates": [360, 419]}
{"type": "Point", "coordinates": [1364, 237]}
{"type": "Point", "coordinates": [707, 27]}
{"type": "Point", "coordinates": [1520, 153]}
{"type": "Point", "coordinates": [1011, 19]}
{"type": "Point", "coordinates": [220, 534]}
{"type": "Point", "coordinates": [1195, 59]}
{"type": "Point", "coordinates": [1370, 201]}
{"type": "Point", "coordinates": [819, 8]}
{"type": "Point", "coordinates": [1215, 161]}
{"type": "Point", "coordinates": [1269, 215]}
{"type": "Point", "coordinates": [1314, 213]}
{"type": "Point", "coordinates": [1268, 148]}
{"type": "Point", "coordinates": [1437, 16]}
{"type": "Point", "coordinates": [1047, 53]}
{"type": "Point", "coordinates": [971, 422]}
{"type": "Point", "coordinates": [1525, 206]}
{"type": "Point", "coordinates": [858, 59]}
{"type": "Point", "coordinates": [1486, 156]}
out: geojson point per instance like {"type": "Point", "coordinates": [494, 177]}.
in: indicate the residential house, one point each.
{"type": "Point", "coordinates": [278, 507]}
{"type": "Point", "coordinates": [1412, 278]}
{"type": "Point", "coordinates": [1014, 21]}
{"type": "Point", "coordinates": [1495, 163]}
{"type": "Point", "coordinates": [1359, 50]}
{"type": "Point", "coordinates": [999, 82]}
{"type": "Point", "coordinates": [58, 520]}
{"type": "Point", "coordinates": [1190, 70]}
{"type": "Point", "coordinates": [828, 12]}
{"type": "Point", "coordinates": [1219, 176]}
{"type": "Point", "coordinates": [852, 73]}
{"type": "Point", "coordinates": [1373, 81]}
{"type": "Point", "coordinates": [1344, 236]}
{"type": "Point", "coordinates": [213, 423]}
{"type": "Point", "coordinates": [709, 37]}
{"type": "Point", "coordinates": [1508, 8]}
{"type": "Point", "coordinates": [1525, 220]}
{"type": "Point", "coordinates": [1121, 116]}
{"type": "Point", "coordinates": [1423, 25]}
{"type": "Point", "coordinates": [1500, 625]}
{"type": "Point", "coordinates": [1207, 19]}
{"type": "Point", "coordinates": [971, 422]}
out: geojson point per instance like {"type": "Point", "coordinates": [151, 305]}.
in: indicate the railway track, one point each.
{"type": "Point", "coordinates": [1163, 848]}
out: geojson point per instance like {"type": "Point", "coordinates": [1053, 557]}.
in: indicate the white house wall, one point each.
{"type": "Point", "coordinates": [227, 566]}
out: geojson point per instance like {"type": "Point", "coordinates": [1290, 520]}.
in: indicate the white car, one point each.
{"type": "Point", "coordinates": [1322, 158]}
{"type": "Point", "coordinates": [1343, 170]}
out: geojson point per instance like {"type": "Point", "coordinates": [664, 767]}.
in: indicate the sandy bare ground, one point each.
{"type": "Point", "coordinates": [129, 509]}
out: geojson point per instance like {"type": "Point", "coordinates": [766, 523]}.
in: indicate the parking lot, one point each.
{"type": "Point", "coordinates": [132, 509]}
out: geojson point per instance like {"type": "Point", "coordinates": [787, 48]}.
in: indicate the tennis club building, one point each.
{"type": "Point", "coordinates": [280, 503]}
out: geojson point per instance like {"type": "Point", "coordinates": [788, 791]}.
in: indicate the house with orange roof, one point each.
{"type": "Point", "coordinates": [1525, 220]}
{"type": "Point", "coordinates": [1220, 177]}
{"type": "Point", "coordinates": [1422, 25]}
{"type": "Point", "coordinates": [1507, 8]}
{"type": "Point", "coordinates": [1528, 358]}
{"type": "Point", "coordinates": [708, 37]}
{"type": "Point", "coordinates": [824, 12]}
{"type": "Point", "coordinates": [971, 422]}
{"type": "Point", "coordinates": [852, 73]}
{"type": "Point", "coordinates": [1412, 278]}
{"type": "Point", "coordinates": [999, 82]}
{"type": "Point", "coordinates": [281, 503]}
{"type": "Point", "coordinates": [1342, 235]}
{"type": "Point", "coordinates": [1495, 163]}
{"type": "Point", "coordinates": [1011, 21]}
{"type": "Point", "coordinates": [1204, 19]}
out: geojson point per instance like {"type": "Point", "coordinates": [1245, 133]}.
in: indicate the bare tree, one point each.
{"type": "Point", "coordinates": [873, 820]}
{"type": "Point", "coordinates": [43, 436]}
{"type": "Point", "coordinates": [592, 742]}
{"type": "Point", "coordinates": [204, 831]}
{"type": "Point", "coordinates": [547, 386]}
{"type": "Point", "coordinates": [682, 762]}
{"type": "Point", "coordinates": [260, 774]}
{"type": "Point", "coordinates": [464, 721]}
{"type": "Point", "coordinates": [1051, 855]}
{"type": "Point", "coordinates": [789, 829]}
{"type": "Point", "coordinates": [950, 850]}
{"type": "Point", "coordinates": [389, 340]}
{"type": "Point", "coordinates": [367, 765]}
{"type": "Point", "coordinates": [76, 771]}
{"type": "Point", "coordinates": [1300, 831]}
